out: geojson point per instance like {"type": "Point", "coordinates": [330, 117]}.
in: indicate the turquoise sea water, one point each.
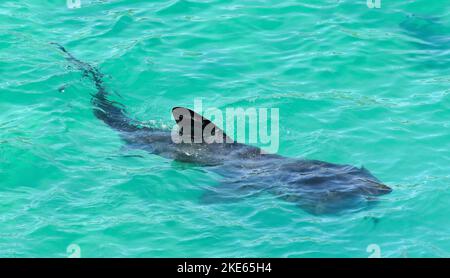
{"type": "Point", "coordinates": [353, 85]}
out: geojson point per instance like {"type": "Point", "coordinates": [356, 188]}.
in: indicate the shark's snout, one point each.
{"type": "Point", "coordinates": [377, 188]}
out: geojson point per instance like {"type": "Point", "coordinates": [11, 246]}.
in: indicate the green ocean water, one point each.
{"type": "Point", "coordinates": [353, 85]}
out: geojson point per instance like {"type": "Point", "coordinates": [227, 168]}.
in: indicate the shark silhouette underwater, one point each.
{"type": "Point", "coordinates": [315, 186]}
{"type": "Point", "coordinates": [431, 41]}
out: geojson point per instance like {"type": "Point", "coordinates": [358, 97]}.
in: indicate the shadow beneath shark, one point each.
{"type": "Point", "coordinates": [315, 186]}
{"type": "Point", "coordinates": [431, 40]}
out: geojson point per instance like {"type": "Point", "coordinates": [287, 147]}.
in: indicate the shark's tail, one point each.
{"type": "Point", "coordinates": [109, 112]}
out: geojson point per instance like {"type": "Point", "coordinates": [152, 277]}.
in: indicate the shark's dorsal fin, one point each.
{"type": "Point", "coordinates": [193, 128]}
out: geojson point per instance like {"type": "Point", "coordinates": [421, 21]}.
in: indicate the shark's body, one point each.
{"type": "Point", "coordinates": [317, 187]}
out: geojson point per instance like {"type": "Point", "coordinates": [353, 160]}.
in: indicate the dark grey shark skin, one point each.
{"type": "Point", "coordinates": [315, 186]}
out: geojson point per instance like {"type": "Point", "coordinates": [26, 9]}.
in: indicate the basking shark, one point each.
{"type": "Point", "coordinates": [315, 186]}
